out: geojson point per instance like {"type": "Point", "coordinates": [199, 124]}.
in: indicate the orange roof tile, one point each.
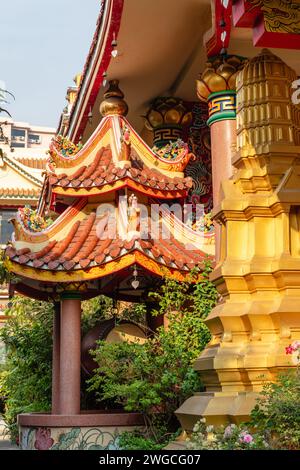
{"type": "Point", "coordinates": [19, 192]}
{"type": "Point", "coordinates": [103, 171]}
{"type": "Point", "coordinates": [82, 248]}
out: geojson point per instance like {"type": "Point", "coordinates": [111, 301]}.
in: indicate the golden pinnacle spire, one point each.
{"type": "Point", "coordinates": [219, 75]}
{"type": "Point", "coordinates": [113, 102]}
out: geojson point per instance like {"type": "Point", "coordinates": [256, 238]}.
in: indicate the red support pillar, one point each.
{"type": "Point", "coordinates": [223, 138]}
{"type": "Point", "coordinates": [70, 345]}
{"type": "Point", "coordinates": [222, 122]}
{"type": "Point", "coordinates": [56, 359]}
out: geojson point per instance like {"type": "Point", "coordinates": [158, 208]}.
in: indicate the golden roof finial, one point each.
{"type": "Point", "coordinates": [113, 102]}
{"type": "Point", "coordinates": [219, 75]}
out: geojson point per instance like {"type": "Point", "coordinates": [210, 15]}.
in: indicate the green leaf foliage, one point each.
{"type": "Point", "coordinates": [154, 378]}
{"type": "Point", "coordinates": [278, 411]}
{"type": "Point", "coordinates": [25, 377]}
{"type": "Point", "coordinates": [25, 381]}
{"type": "Point", "coordinates": [137, 441]}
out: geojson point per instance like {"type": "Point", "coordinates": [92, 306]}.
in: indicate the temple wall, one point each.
{"type": "Point", "coordinates": [71, 438]}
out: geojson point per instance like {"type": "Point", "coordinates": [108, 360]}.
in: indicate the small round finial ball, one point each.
{"type": "Point", "coordinates": [113, 102]}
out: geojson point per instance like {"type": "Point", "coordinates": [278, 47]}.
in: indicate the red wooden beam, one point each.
{"type": "Point", "coordinates": [247, 15]}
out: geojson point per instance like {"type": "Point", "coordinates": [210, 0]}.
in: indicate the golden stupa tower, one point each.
{"type": "Point", "coordinates": [258, 272]}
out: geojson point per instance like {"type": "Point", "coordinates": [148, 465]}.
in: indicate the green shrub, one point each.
{"type": "Point", "coordinates": [154, 378]}
{"type": "Point", "coordinates": [103, 308]}
{"type": "Point", "coordinates": [231, 437]}
{"type": "Point", "coordinates": [25, 378]}
{"type": "Point", "coordinates": [274, 423]}
{"type": "Point", "coordinates": [137, 441]}
{"type": "Point", "coordinates": [278, 411]}
{"type": "Point", "coordinates": [25, 381]}
{"type": "Point", "coordinates": [186, 305]}
{"type": "Point", "coordinates": [94, 310]}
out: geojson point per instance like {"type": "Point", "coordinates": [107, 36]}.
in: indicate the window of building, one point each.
{"type": "Point", "coordinates": [6, 227]}
{"type": "Point", "coordinates": [34, 139]}
{"type": "Point", "coordinates": [17, 137]}
{"type": "Point", "coordinates": [17, 133]}
{"type": "Point", "coordinates": [17, 144]}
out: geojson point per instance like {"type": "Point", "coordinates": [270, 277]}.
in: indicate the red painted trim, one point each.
{"type": "Point", "coordinates": [110, 30]}
{"type": "Point", "coordinates": [214, 44]}
{"type": "Point", "coordinates": [245, 15]}
{"type": "Point", "coordinates": [263, 38]}
{"type": "Point", "coordinates": [88, 418]}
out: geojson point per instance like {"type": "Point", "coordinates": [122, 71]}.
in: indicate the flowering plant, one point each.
{"type": "Point", "coordinates": [231, 437]}
{"type": "Point", "coordinates": [32, 221]}
{"type": "Point", "coordinates": [292, 348]}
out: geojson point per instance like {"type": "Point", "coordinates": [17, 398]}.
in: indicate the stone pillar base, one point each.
{"type": "Point", "coordinates": [217, 407]}
{"type": "Point", "coordinates": [87, 431]}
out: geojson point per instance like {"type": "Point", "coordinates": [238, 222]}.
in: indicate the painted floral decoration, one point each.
{"type": "Point", "coordinates": [173, 150]}
{"type": "Point", "coordinates": [64, 146]}
{"type": "Point", "coordinates": [31, 220]}
{"type": "Point", "coordinates": [204, 224]}
{"type": "Point", "coordinates": [125, 136]}
{"type": "Point", "coordinates": [43, 439]}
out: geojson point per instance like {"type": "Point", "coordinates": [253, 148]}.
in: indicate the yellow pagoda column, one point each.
{"type": "Point", "coordinates": [217, 87]}
{"type": "Point", "coordinates": [258, 274]}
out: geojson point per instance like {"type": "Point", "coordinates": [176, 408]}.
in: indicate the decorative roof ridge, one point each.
{"type": "Point", "coordinates": [81, 154]}
{"type": "Point", "coordinates": [183, 161]}
{"type": "Point", "coordinates": [119, 126]}
{"type": "Point", "coordinates": [39, 161]}
{"type": "Point", "coordinates": [44, 235]}
{"type": "Point", "coordinates": [19, 194]}
{"type": "Point", "coordinates": [22, 170]}
{"type": "Point", "coordinates": [189, 233]}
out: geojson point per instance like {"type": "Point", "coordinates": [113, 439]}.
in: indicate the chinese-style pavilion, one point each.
{"type": "Point", "coordinates": [106, 240]}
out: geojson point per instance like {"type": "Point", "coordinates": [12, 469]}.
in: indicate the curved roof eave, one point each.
{"type": "Point", "coordinates": [97, 61]}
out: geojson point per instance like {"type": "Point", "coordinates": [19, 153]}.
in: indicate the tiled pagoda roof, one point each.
{"type": "Point", "coordinates": [103, 171]}
{"type": "Point", "coordinates": [83, 248]}
{"type": "Point", "coordinates": [20, 184]}
{"type": "Point", "coordinates": [78, 246]}
{"type": "Point", "coordinates": [100, 166]}
{"type": "Point", "coordinates": [19, 193]}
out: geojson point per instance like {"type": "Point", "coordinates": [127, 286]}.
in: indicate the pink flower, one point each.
{"type": "Point", "coordinates": [291, 348]}
{"type": "Point", "coordinates": [246, 438]}
{"type": "Point", "coordinates": [229, 430]}
{"type": "Point", "coordinates": [295, 345]}
{"type": "Point", "coordinates": [43, 440]}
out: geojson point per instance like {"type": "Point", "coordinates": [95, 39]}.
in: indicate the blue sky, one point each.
{"type": "Point", "coordinates": [44, 43]}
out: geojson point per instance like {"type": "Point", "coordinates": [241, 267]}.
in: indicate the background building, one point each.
{"type": "Point", "coordinates": [23, 150]}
